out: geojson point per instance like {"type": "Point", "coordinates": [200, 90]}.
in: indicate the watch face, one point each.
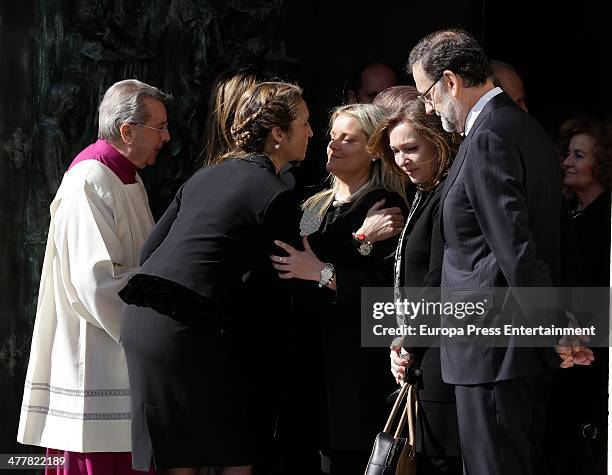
{"type": "Point", "coordinates": [365, 249]}
{"type": "Point", "coordinates": [327, 273]}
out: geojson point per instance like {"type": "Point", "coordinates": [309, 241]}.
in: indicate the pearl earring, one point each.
{"type": "Point", "coordinates": [277, 146]}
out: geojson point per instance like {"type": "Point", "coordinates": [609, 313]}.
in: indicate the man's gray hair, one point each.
{"type": "Point", "coordinates": [122, 103]}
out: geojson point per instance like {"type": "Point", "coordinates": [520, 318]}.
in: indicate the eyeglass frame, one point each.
{"type": "Point", "coordinates": [159, 130]}
{"type": "Point", "coordinates": [423, 97]}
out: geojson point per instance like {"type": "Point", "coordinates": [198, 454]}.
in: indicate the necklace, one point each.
{"type": "Point", "coordinates": [340, 201]}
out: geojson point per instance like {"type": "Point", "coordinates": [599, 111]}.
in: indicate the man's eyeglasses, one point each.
{"type": "Point", "coordinates": [425, 97]}
{"type": "Point", "coordinates": [159, 129]}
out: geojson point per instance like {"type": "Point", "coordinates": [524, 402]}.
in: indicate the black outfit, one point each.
{"type": "Point", "coordinates": [419, 265]}
{"type": "Point", "coordinates": [592, 225]}
{"type": "Point", "coordinates": [500, 221]}
{"type": "Point", "coordinates": [194, 314]}
{"type": "Point", "coordinates": [353, 395]}
{"type": "Point", "coordinates": [577, 433]}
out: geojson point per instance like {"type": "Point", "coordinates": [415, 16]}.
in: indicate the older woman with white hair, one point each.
{"type": "Point", "coordinates": [76, 400]}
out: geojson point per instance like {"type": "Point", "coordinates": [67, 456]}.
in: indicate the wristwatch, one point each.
{"type": "Point", "coordinates": [366, 246]}
{"type": "Point", "coordinates": [327, 275]}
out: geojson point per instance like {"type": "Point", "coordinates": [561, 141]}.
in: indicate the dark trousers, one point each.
{"type": "Point", "coordinates": [576, 429]}
{"type": "Point", "coordinates": [501, 426]}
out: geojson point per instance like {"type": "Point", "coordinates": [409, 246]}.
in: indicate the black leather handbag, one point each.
{"type": "Point", "coordinates": [393, 454]}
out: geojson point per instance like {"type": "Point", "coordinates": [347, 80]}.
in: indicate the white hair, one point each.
{"type": "Point", "coordinates": [123, 103]}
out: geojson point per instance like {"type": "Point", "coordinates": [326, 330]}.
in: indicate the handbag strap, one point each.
{"type": "Point", "coordinates": [409, 413]}
{"type": "Point", "coordinates": [412, 411]}
{"type": "Point", "coordinates": [400, 426]}
{"type": "Point", "coordinates": [396, 405]}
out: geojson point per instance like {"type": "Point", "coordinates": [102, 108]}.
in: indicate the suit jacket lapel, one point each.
{"type": "Point", "coordinates": [496, 102]}
{"type": "Point", "coordinates": [454, 170]}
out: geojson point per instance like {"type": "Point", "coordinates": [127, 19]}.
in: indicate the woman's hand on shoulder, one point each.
{"type": "Point", "coordinates": [382, 223]}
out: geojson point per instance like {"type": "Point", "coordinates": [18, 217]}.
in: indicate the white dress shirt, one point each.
{"type": "Point", "coordinates": [478, 107]}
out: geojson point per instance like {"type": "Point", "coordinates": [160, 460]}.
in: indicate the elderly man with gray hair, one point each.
{"type": "Point", "coordinates": [76, 400]}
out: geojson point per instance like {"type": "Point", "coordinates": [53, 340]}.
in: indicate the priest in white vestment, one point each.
{"type": "Point", "coordinates": [76, 400]}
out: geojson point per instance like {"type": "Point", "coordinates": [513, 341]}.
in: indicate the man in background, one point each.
{"type": "Point", "coordinates": [506, 77]}
{"type": "Point", "coordinates": [368, 81]}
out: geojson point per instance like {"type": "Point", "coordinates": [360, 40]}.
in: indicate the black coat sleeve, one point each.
{"type": "Point", "coordinates": [374, 270]}
{"type": "Point", "coordinates": [162, 228]}
{"type": "Point", "coordinates": [282, 221]}
{"type": "Point", "coordinates": [494, 184]}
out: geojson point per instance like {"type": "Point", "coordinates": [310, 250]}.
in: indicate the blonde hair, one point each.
{"type": "Point", "coordinates": [368, 117]}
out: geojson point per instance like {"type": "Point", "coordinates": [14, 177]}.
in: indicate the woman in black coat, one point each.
{"type": "Point", "coordinates": [576, 438]}
{"type": "Point", "coordinates": [190, 311]}
{"type": "Point", "coordinates": [415, 144]}
{"type": "Point", "coordinates": [587, 170]}
{"type": "Point", "coordinates": [348, 401]}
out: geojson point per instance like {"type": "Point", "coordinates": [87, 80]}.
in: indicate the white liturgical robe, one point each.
{"type": "Point", "coordinates": [76, 394]}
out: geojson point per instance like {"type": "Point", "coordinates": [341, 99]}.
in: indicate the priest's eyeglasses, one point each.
{"type": "Point", "coordinates": [160, 130]}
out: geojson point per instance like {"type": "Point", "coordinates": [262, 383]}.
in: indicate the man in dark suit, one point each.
{"type": "Point", "coordinates": [500, 221]}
